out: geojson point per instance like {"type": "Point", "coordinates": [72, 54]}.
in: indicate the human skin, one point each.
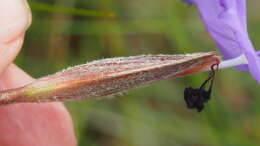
{"type": "Point", "coordinates": [26, 124]}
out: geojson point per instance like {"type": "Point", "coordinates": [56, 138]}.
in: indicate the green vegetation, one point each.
{"type": "Point", "coordinates": [66, 33]}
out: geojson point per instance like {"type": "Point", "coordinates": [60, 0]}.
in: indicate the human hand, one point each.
{"type": "Point", "coordinates": [26, 124]}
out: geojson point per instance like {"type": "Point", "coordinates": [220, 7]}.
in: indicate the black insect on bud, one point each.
{"type": "Point", "coordinates": [196, 97]}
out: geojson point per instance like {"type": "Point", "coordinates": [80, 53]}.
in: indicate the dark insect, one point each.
{"type": "Point", "coordinates": [196, 97]}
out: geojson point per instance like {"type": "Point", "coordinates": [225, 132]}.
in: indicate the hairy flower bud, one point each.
{"type": "Point", "coordinates": [107, 77]}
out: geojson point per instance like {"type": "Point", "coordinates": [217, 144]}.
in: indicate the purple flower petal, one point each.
{"type": "Point", "coordinates": [253, 64]}
{"type": "Point", "coordinates": [226, 22]}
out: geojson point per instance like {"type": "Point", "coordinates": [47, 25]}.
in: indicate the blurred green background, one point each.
{"type": "Point", "coordinates": [70, 32]}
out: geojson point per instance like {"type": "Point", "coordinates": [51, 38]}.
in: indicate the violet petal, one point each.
{"type": "Point", "coordinates": [226, 22]}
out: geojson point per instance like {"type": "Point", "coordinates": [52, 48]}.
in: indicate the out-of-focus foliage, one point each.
{"type": "Point", "coordinates": [65, 33]}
